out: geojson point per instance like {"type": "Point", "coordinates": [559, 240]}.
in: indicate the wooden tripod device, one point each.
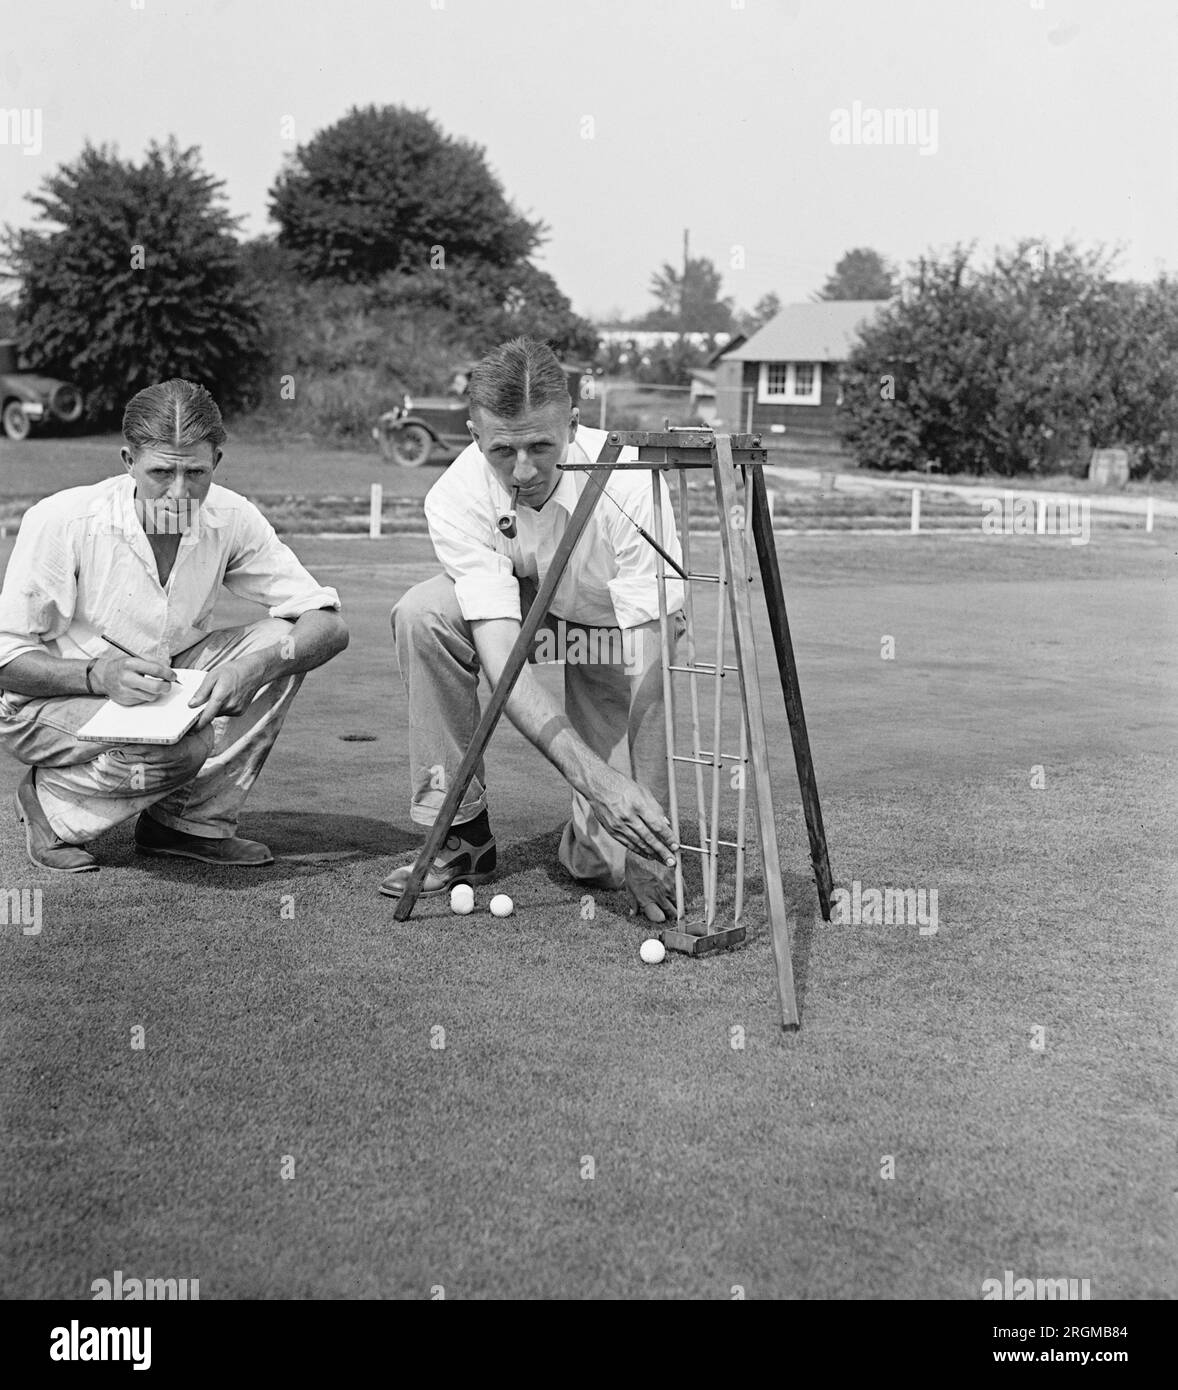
{"type": "Point", "coordinates": [681, 450]}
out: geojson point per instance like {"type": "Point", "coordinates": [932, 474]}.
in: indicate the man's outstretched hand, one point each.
{"type": "Point", "coordinates": [631, 814]}
{"type": "Point", "coordinates": [651, 889]}
{"type": "Point", "coordinates": [228, 689]}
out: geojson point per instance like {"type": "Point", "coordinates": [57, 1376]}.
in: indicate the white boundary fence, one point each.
{"type": "Point", "coordinates": [1044, 501]}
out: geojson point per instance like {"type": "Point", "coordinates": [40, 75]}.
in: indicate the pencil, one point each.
{"type": "Point", "coordinates": [128, 652]}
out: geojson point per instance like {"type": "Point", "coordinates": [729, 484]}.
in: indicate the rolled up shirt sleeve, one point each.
{"type": "Point", "coordinates": [261, 568]}
{"type": "Point", "coordinates": [484, 582]}
{"type": "Point", "coordinates": [37, 601]}
{"type": "Point", "coordinates": [634, 589]}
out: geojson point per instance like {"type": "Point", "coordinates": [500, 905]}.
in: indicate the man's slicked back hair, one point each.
{"type": "Point", "coordinates": [175, 414]}
{"type": "Point", "coordinates": [518, 376]}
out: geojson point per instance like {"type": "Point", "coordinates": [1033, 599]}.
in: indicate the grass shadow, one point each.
{"type": "Point", "coordinates": [302, 843]}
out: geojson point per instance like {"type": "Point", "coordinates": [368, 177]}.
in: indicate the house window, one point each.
{"type": "Point", "coordinates": [790, 383]}
{"type": "Point", "coordinates": [777, 378]}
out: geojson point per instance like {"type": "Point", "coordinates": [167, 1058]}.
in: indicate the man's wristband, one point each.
{"type": "Point", "coordinates": [90, 665]}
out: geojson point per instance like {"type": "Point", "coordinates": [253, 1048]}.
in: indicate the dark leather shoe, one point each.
{"type": "Point", "coordinates": [153, 838]}
{"type": "Point", "coordinates": [459, 861]}
{"type": "Point", "coordinates": [44, 847]}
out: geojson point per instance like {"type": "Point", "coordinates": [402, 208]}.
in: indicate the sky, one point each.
{"type": "Point", "coordinates": [623, 123]}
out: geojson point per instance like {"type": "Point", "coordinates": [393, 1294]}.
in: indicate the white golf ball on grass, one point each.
{"type": "Point", "coordinates": [652, 951]}
{"type": "Point", "coordinates": [462, 898]}
{"type": "Point", "coordinates": [501, 905]}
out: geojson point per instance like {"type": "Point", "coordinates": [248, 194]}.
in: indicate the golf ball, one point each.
{"type": "Point", "coordinates": [652, 951]}
{"type": "Point", "coordinates": [501, 905]}
{"type": "Point", "coordinates": [462, 898]}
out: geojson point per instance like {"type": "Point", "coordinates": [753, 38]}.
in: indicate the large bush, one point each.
{"type": "Point", "coordinates": [134, 277]}
{"type": "Point", "coordinates": [336, 355]}
{"type": "Point", "coordinates": [1019, 367]}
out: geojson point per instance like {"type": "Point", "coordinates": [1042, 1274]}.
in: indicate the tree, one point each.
{"type": "Point", "coordinates": [386, 200]}
{"type": "Point", "coordinates": [535, 307]}
{"type": "Point", "coordinates": [689, 302]}
{"type": "Point", "coordinates": [766, 308]}
{"type": "Point", "coordinates": [861, 274]}
{"type": "Point", "coordinates": [134, 278]}
{"type": "Point", "coordinates": [1016, 368]}
{"type": "Point", "coordinates": [385, 189]}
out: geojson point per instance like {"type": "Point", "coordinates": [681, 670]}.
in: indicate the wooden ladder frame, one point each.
{"type": "Point", "coordinates": [723, 454]}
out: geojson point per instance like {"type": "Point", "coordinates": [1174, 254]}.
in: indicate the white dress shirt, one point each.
{"type": "Point", "coordinates": [82, 565]}
{"type": "Point", "coordinates": [610, 580]}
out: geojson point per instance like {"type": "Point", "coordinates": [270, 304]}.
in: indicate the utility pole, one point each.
{"type": "Point", "coordinates": [683, 292]}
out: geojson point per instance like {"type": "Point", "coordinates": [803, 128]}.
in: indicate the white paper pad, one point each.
{"type": "Point", "coordinates": [165, 720]}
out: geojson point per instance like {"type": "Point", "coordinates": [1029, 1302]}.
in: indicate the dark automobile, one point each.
{"type": "Point", "coordinates": [426, 428]}
{"type": "Point", "coordinates": [28, 399]}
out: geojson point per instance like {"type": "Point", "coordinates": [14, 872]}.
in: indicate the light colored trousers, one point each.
{"type": "Point", "coordinates": [197, 785]}
{"type": "Point", "coordinates": [440, 668]}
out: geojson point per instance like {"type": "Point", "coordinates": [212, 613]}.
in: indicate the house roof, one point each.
{"type": "Point", "coordinates": [821, 332]}
{"type": "Point", "coordinates": [730, 346]}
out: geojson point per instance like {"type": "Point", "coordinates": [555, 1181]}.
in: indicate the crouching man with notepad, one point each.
{"type": "Point", "coordinates": [117, 692]}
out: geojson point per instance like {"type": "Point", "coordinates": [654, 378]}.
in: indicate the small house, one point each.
{"type": "Point", "coordinates": [784, 378]}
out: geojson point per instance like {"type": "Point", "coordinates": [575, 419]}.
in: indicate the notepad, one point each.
{"type": "Point", "coordinates": [165, 720]}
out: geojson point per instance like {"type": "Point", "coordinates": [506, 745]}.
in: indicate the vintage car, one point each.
{"type": "Point", "coordinates": [426, 429]}
{"type": "Point", "coordinates": [28, 399]}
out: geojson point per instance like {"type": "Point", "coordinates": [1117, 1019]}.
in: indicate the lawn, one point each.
{"type": "Point", "coordinates": [41, 465]}
{"type": "Point", "coordinates": [298, 476]}
{"type": "Point", "coordinates": [309, 1045]}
